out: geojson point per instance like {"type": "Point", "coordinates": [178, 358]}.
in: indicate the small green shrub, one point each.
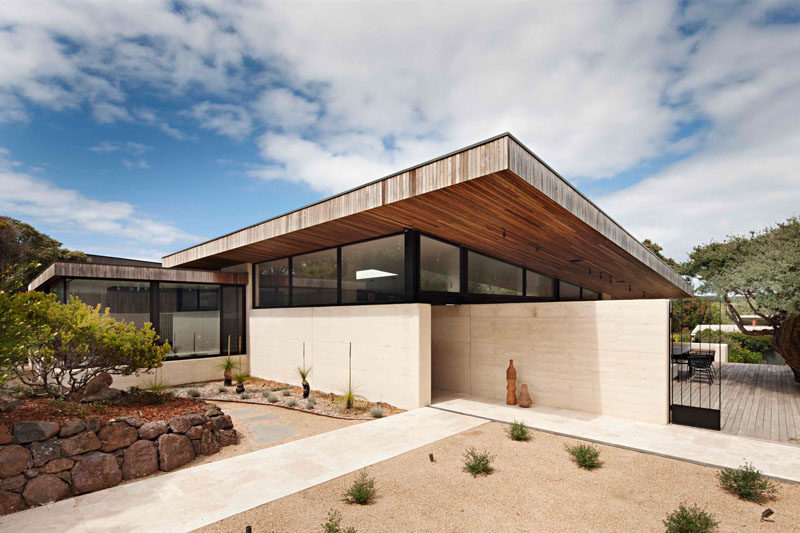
{"type": "Point", "coordinates": [333, 523]}
{"type": "Point", "coordinates": [361, 491]}
{"type": "Point", "coordinates": [311, 400]}
{"type": "Point", "coordinates": [194, 393]}
{"type": "Point", "coordinates": [287, 392]}
{"type": "Point", "coordinates": [518, 431]}
{"type": "Point", "coordinates": [748, 483]}
{"type": "Point", "coordinates": [265, 392]}
{"type": "Point", "coordinates": [310, 405]}
{"type": "Point", "coordinates": [244, 395]}
{"type": "Point", "coordinates": [740, 354]}
{"type": "Point", "coordinates": [291, 403]}
{"type": "Point", "coordinates": [377, 412]}
{"type": "Point", "coordinates": [223, 389]}
{"type": "Point", "coordinates": [271, 398]}
{"type": "Point", "coordinates": [585, 456]}
{"type": "Point", "coordinates": [690, 520]}
{"type": "Point", "coordinates": [477, 463]}
{"type": "Point", "coordinates": [277, 388]}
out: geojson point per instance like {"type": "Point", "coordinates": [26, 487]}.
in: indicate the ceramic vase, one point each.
{"type": "Point", "coordinates": [524, 396]}
{"type": "Point", "coordinates": [511, 387]}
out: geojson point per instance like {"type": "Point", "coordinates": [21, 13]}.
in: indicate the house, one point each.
{"type": "Point", "coordinates": [426, 280]}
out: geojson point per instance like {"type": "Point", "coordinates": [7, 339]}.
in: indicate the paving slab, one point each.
{"type": "Point", "coordinates": [193, 497]}
{"type": "Point", "coordinates": [259, 418]}
{"type": "Point", "coordinates": [264, 433]}
{"type": "Point", "coordinates": [702, 446]}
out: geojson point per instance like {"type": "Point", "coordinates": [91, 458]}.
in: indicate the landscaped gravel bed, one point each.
{"type": "Point", "coordinates": [284, 395]}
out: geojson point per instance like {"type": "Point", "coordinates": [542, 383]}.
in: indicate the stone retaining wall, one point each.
{"type": "Point", "coordinates": [43, 462]}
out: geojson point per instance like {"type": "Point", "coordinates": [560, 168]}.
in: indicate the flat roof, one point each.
{"type": "Point", "coordinates": [496, 197]}
{"type": "Point", "coordinates": [65, 269]}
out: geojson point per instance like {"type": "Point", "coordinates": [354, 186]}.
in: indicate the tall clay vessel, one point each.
{"type": "Point", "coordinates": [511, 387]}
{"type": "Point", "coordinates": [524, 396]}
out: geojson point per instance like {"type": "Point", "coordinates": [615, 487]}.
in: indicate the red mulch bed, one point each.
{"type": "Point", "coordinates": [35, 409]}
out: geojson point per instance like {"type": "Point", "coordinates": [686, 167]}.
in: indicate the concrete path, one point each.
{"type": "Point", "coordinates": [701, 446]}
{"type": "Point", "coordinates": [193, 497]}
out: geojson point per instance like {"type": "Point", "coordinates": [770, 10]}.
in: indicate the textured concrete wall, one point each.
{"type": "Point", "coordinates": [607, 357]}
{"type": "Point", "coordinates": [391, 358]}
{"type": "Point", "coordinates": [180, 372]}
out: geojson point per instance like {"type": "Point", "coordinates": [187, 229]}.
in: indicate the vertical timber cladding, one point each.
{"type": "Point", "coordinates": [606, 357]}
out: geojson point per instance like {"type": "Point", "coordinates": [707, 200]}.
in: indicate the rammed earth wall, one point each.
{"type": "Point", "coordinates": [43, 462]}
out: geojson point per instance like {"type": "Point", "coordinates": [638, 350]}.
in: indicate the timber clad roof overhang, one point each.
{"type": "Point", "coordinates": [63, 269]}
{"type": "Point", "coordinates": [496, 197]}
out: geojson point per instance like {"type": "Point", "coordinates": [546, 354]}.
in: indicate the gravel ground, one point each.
{"type": "Point", "coordinates": [256, 388]}
{"type": "Point", "coordinates": [535, 487]}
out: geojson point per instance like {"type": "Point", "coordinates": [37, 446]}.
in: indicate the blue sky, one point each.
{"type": "Point", "coordinates": [138, 129]}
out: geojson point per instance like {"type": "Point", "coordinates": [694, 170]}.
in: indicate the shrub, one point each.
{"type": "Point", "coordinates": [303, 372]}
{"type": "Point", "coordinates": [244, 395]}
{"type": "Point", "coordinates": [291, 403]}
{"type": "Point", "coordinates": [312, 401]}
{"type": "Point", "coordinates": [271, 398]}
{"type": "Point", "coordinates": [310, 404]}
{"type": "Point", "coordinates": [477, 463]}
{"type": "Point", "coordinates": [585, 456]}
{"type": "Point", "coordinates": [275, 389]}
{"type": "Point", "coordinates": [223, 389]}
{"type": "Point", "coordinates": [265, 392]}
{"type": "Point", "coordinates": [61, 347]}
{"type": "Point", "coordinates": [194, 393]}
{"type": "Point", "coordinates": [748, 483]}
{"type": "Point", "coordinates": [241, 377]}
{"type": "Point", "coordinates": [739, 354]}
{"type": "Point", "coordinates": [377, 412]}
{"type": "Point", "coordinates": [690, 520]}
{"type": "Point", "coordinates": [286, 392]}
{"type": "Point", "coordinates": [518, 431]}
{"type": "Point", "coordinates": [361, 491]}
{"type": "Point", "coordinates": [334, 523]}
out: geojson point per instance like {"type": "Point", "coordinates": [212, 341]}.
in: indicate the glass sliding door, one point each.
{"type": "Point", "coordinates": [189, 318]}
{"type": "Point", "coordinates": [232, 339]}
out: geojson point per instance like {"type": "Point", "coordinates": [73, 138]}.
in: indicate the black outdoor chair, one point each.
{"type": "Point", "coordinates": [702, 366]}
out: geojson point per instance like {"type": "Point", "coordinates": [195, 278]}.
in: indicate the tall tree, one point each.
{"type": "Point", "coordinates": [25, 252]}
{"type": "Point", "coordinates": [764, 270]}
{"type": "Point", "coordinates": [656, 249]}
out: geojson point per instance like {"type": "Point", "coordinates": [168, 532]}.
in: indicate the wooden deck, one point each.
{"type": "Point", "coordinates": [760, 401]}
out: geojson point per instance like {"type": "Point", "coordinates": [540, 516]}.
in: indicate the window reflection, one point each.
{"type": "Point", "coordinates": [491, 276]}
{"type": "Point", "coordinates": [314, 278]}
{"type": "Point", "coordinates": [374, 271]}
{"type": "Point", "coordinates": [439, 266]}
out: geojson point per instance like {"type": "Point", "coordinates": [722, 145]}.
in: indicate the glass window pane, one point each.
{"type": "Point", "coordinates": [56, 287]}
{"type": "Point", "coordinates": [568, 291]}
{"type": "Point", "coordinates": [589, 295]}
{"type": "Point", "coordinates": [189, 328]}
{"type": "Point", "coordinates": [314, 278]}
{"type": "Point", "coordinates": [491, 276]}
{"type": "Point", "coordinates": [374, 271]}
{"type": "Point", "coordinates": [125, 300]}
{"type": "Point", "coordinates": [232, 320]}
{"type": "Point", "coordinates": [439, 266]}
{"type": "Point", "coordinates": [272, 283]}
{"type": "Point", "coordinates": [538, 285]}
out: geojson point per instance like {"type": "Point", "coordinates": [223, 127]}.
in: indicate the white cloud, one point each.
{"type": "Point", "coordinates": [129, 147]}
{"type": "Point", "coordinates": [282, 108]}
{"type": "Point", "coordinates": [39, 201]}
{"type": "Point", "coordinates": [226, 119]}
{"type": "Point", "coordinates": [107, 113]}
{"type": "Point", "coordinates": [132, 164]}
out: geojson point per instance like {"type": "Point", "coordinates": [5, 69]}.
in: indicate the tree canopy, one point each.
{"type": "Point", "coordinates": [762, 268]}
{"type": "Point", "coordinates": [656, 249]}
{"type": "Point", "coordinates": [25, 252]}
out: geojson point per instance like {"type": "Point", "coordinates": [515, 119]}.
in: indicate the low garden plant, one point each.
{"type": "Point", "coordinates": [333, 524]}
{"type": "Point", "coordinates": [518, 431]}
{"type": "Point", "coordinates": [291, 403]}
{"type": "Point", "coordinates": [377, 412]}
{"type": "Point", "coordinates": [477, 463]}
{"type": "Point", "coordinates": [310, 404]}
{"type": "Point", "coordinates": [362, 491]}
{"type": "Point", "coordinates": [265, 393]}
{"type": "Point", "coordinates": [244, 395]}
{"type": "Point", "coordinates": [271, 398]}
{"type": "Point", "coordinates": [690, 520]}
{"type": "Point", "coordinates": [223, 389]}
{"type": "Point", "coordinates": [585, 456]}
{"type": "Point", "coordinates": [287, 392]}
{"type": "Point", "coordinates": [748, 483]}
{"type": "Point", "coordinates": [194, 393]}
